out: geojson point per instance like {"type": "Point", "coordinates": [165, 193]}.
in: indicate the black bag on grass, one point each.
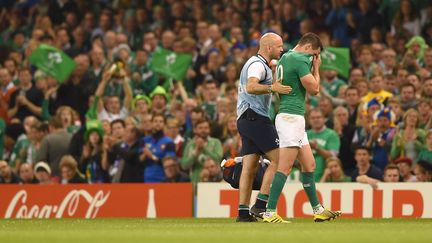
{"type": "Point", "coordinates": [232, 175]}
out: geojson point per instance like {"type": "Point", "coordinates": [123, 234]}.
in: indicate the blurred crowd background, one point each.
{"type": "Point", "coordinates": [115, 119]}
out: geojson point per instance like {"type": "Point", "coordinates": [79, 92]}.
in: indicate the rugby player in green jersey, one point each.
{"type": "Point", "coordinates": [298, 68]}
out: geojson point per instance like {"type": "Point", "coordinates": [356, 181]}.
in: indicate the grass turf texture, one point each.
{"type": "Point", "coordinates": [214, 230]}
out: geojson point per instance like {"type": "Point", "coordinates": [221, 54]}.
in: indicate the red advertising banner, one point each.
{"type": "Point", "coordinates": [96, 201]}
{"type": "Point", "coordinates": [355, 200]}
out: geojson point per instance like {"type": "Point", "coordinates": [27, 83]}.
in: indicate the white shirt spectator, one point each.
{"type": "Point", "coordinates": [105, 115]}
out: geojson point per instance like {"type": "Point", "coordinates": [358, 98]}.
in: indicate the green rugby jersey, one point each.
{"type": "Point", "coordinates": [326, 139]}
{"type": "Point", "coordinates": [333, 87]}
{"type": "Point", "coordinates": [291, 67]}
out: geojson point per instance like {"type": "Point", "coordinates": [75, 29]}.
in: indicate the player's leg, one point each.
{"type": "Point", "coordinates": [289, 144]}
{"type": "Point", "coordinates": [286, 161]}
{"type": "Point", "coordinates": [289, 128]}
{"type": "Point", "coordinates": [307, 162]}
{"type": "Point", "coordinates": [250, 162]}
{"type": "Point", "coordinates": [259, 208]}
{"type": "Point", "coordinates": [250, 153]}
{"type": "Point", "coordinates": [266, 140]}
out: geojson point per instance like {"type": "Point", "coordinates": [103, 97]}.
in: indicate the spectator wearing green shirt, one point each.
{"type": "Point", "coordinates": [144, 81]}
{"type": "Point", "coordinates": [388, 9]}
{"type": "Point", "coordinates": [332, 83]}
{"type": "Point", "coordinates": [69, 118]}
{"type": "Point", "coordinates": [98, 62]}
{"type": "Point", "coordinates": [19, 152]}
{"type": "Point", "coordinates": [201, 147]}
{"type": "Point", "coordinates": [323, 141]}
{"type": "Point", "coordinates": [159, 100]}
{"type": "Point", "coordinates": [426, 153]}
{"type": "Point", "coordinates": [210, 94]}
{"type": "Point", "coordinates": [410, 139]}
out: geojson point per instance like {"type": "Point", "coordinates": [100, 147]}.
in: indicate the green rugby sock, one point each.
{"type": "Point", "coordinates": [309, 187]}
{"type": "Point", "coordinates": [243, 210]}
{"type": "Point", "coordinates": [275, 190]}
{"type": "Point", "coordinates": [261, 201]}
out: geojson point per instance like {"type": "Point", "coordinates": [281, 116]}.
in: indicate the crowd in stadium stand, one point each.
{"type": "Point", "coordinates": [117, 120]}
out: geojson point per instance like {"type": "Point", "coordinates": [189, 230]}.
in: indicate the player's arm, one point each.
{"type": "Point", "coordinates": [256, 72]}
{"type": "Point", "coordinates": [311, 81]}
{"type": "Point", "coordinates": [254, 87]}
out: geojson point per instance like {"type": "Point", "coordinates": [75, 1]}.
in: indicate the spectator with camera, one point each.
{"type": "Point", "coordinates": [381, 137]}
{"type": "Point", "coordinates": [122, 157]}
{"type": "Point", "coordinates": [110, 108]}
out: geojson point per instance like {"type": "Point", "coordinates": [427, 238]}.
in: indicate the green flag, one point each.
{"type": "Point", "coordinates": [170, 64]}
{"type": "Point", "coordinates": [337, 59]}
{"type": "Point", "coordinates": [53, 62]}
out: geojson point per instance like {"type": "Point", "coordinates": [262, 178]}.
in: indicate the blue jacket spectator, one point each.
{"type": "Point", "coordinates": [156, 147]}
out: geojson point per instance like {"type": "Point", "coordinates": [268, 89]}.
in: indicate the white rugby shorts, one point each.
{"type": "Point", "coordinates": [291, 130]}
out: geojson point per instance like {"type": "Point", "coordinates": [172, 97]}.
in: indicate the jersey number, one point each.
{"type": "Point", "coordinates": [279, 72]}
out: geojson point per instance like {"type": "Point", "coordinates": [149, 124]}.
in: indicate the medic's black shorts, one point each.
{"type": "Point", "coordinates": [258, 133]}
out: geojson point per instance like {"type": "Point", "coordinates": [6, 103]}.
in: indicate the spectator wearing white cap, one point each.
{"type": "Point", "coordinates": [43, 173]}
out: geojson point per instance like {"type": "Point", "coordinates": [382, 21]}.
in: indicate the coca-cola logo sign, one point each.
{"type": "Point", "coordinates": [19, 207]}
{"type": "Point", "coordinates": [130, 200]}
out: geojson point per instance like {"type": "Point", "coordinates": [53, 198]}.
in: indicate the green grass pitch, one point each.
{"type": "Point", "coordinates": [214, 230]}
